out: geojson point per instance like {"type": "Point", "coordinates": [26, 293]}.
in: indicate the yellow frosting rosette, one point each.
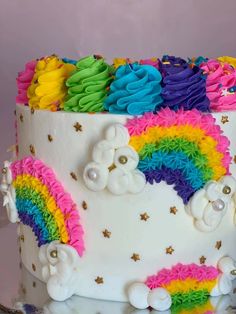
{"type": "Point", "coordinates": [48, 89]}
{"type": "Point", "coordinates": [230, 60]}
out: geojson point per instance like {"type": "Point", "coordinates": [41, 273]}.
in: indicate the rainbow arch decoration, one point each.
{"type": "Point", "coordinates": [183, 148]}
{"type": "Point", "coordinates": [43, 204]}
{"type": "Point", "coordinates": [188, 284]}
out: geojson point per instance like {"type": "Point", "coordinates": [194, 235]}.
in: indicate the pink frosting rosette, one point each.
{"type": "Point", "coordinates": [24, 80]}
{"type": "Point", "coordinates": [220, 85]}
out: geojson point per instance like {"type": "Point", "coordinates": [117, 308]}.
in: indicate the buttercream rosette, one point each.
{"type": "Point", "coordinates": [88, 85]}
{"type": "Point", "coordinates": [183, 86]}
{"type": "Point", "coordinates": [23, 82]}
{"type": "Point", "coordinates": [47, 89]}
{"type": "Point", "coordinates": [220, 84]}
{"type": "Point", "coordinates": [135, 90]}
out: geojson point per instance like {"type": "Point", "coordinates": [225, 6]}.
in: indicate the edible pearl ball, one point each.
{"type": "Point", "coordinates": [123, 159]}
{"type": "Point", "coordinates": [92, 174]}
{"type": "Point", "coordinates": [226, 189]}
{"type": "Point", "coordinates": [233, 272]}
{"type": "Point", "coordinates": [218, 205]}
{"type": "Point", "coordinates": [53, 254]}
{"type": "Point", "coordinates": [138, 294]}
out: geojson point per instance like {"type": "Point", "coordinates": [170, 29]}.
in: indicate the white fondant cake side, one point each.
{"type": "Point", "coordinates": [121, 246]}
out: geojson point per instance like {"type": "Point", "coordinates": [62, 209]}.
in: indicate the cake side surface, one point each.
{"type": "Point", "coordinates": [127, 237]}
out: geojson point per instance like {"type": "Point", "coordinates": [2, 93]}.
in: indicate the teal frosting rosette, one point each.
{"type": "Point", "coordinates": [135, 90]}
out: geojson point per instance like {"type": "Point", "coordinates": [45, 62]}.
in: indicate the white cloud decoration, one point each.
{"type": "Point", "coordinates": [114, 164]}
{"type": "Point", "coordinates": [8, 191]}
{"type": "Point", "coordinates": [59, 269]}
{"type": "Point", "coordinates": [209, 204]}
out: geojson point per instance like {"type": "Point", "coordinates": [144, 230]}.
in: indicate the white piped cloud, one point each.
{"type": "Point", "coordinates": [59, 269]}
{"type": "Point", "coordinates": [114, 164]}
{"type": "Point", "coordinates": [209, 205]}
{"type": "Point", "coordinates": [8, 191]}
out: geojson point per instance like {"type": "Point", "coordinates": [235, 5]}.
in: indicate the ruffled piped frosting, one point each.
{"type": "Point", "coordinates": [183, 86]}
{"type": "Point", "coordinates": [88, 85]}
{"type": "Point", "coordinates": [47, 89]}
{"type": "Point", "coordinates": [220, 84]}
{"type": "Point", "coordinates": [23, 82]}
{"type": "Point", "coordinates": [135, 90]}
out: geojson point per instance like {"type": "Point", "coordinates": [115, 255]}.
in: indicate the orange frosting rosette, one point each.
{"type": "Point", "coordinates": [48, 89]}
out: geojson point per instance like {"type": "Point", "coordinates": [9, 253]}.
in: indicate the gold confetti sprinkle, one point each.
{"type": "Point", "coordinates": [22, 238]}
{"type": "Point", "coordinates": [84, 205]}
{"type": "Point", "coordinates": [235, 159]}
{"type": "Point", "coordinates": [32, 150]}
{"type": "Point", "coordinates": [33, 267]}
{"type": "Point", "coordinates": [34, 284]}
{"type": "Point", "coordinates": [135, 257]}
{"type": "Point", "coordinates": [78, 127]}
{"type": "Point", "coordinates": [106, 233]}
{"type": "Point", "coordinates": [173, 210]}
{"type": "Point", "coordinates": [99, 280]}
{"type": "Point", "coordinates": [224, 119]}
{"type": "Point", "coordinates": [169, 250]}
{"type": "Point", "coordinates": [202, 259]}
{"type": "Point", "coordinates": [50, 138]}
{"type": "Point", "coordinates": [112, 167]}
{"type": "Point", "coordinates": [73, 176]}
{"type": "Point", "coordinates": [218, 245]}
{"type": "Point", "coordinates": [21, 117]}
{"type": "Point", "coordinates": [144, 216]}
{"type": "Point", "coordinates": [32, 110]}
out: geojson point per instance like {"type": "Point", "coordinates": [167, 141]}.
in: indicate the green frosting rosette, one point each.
{"type": "Point", "coordinates": [88, 85]}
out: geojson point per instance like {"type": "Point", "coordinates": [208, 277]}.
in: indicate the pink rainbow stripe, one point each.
{"type": "Point", "coordinates": [182, 272]}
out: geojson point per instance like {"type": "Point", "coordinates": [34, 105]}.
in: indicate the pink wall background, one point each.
{"type": "Point", "coordinates": [73, 28]}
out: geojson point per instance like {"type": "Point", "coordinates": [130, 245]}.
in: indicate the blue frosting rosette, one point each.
{"type": "Point", "coordinates": [135, 90]}
{"type": "Point", "coordinates": [183, 86]}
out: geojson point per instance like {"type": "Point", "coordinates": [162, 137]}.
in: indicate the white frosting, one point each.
{"type": "Point", "coordinates": [8, 191]}
{"type": "Point", "coordinates": [60, 272]}
{"type": "Point", "coordinates": [110, 258]}
{"type": "Point", "coordinates": [159, 299]}
{"type": "Point", "coordinates": [122, 177]}
{"type": "Point", "coordinates": [209, 205]}
{"type": "Point", "coordinates": [138, 295]}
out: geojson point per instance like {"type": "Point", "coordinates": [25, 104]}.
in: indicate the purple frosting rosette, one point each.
{"type": "Point", "coordinates": [183, 86]}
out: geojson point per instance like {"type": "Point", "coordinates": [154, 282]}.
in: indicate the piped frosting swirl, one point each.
{"type": "Point", "coordinates": [88, 85]}
{"type": "Point", "coordinates": [24, 80]}
{"type": "Point", "coordinates": [135, 90]}
{"type": "Point", "coordinates": [47, 89]}
{"type": "Point", "coordinates": [183, 86]}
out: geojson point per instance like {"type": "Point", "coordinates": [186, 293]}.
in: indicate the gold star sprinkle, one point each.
{"type": "Point", "coordinates": [33, 267]}
{"type": "Point", "coordinates": [78, 127]}
{"type": "Point", "coordinates": [144, 216]}
{"type": "Point", "coordinates": [224, 119]}
{"type": "Point", "coordinates": [218, 245]}
{"type": "Point", "coordinates": [73, 176]}
{"type": "Point", "coordinates": [169, 250]}
{"type": "Point", "coordinates": [50, 138]}
{"type": "Point", "coordinates": [32, 110]}
{"type": "Point", "coordinates": [99, 280]}
{"type": "Point", "coordinates": [22, 238]}
{"type": "Point", "coordinates": [32, 150]}
{"type": "Point", "coordinates": [135, 257]}
{"type": "Point", "coordinates": [235, 159]}
{"type": "Point", "coordinates": [173, 210]}
{"type": "Point", "coordinates": [202, 259]}
{"type": "Point", "coordinates": [106, 233]}
{"type": "Point", "coordinates": [34, 284]}
{"type": "Point", "coordinates": [21, 117]}
{"type": "Point", "coordinates": [84, 205]}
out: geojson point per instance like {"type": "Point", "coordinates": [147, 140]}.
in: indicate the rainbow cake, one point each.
{"type": "Point", "coordinates": [123, 181]}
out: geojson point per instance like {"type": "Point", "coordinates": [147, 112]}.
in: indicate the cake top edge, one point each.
{"type": "Point", "coordinates": [128, 87]}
